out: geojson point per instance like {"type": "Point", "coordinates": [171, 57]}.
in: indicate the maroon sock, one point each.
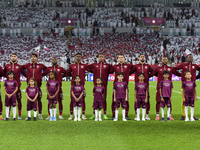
{"type": "Point", "coordinates": [157, 107]}
{"type": "Point", "coordinates": [113, 108]}
{"type": "Point", "coordinates": [40, 107]}
{"type": "Point", "coordinates": [19, 105]}
{"type": "Point", "coordinates": [127, 108]}
{"type": "Point", "coordinates": [1, 107]}
{"type": "Point", "coordinates": [83, 107]}
{"type": "Point", "coordinates": [71, 107]}
{"type": "Point", "coordinates": [147, 107]}
{"type": "Point", "coordinates": [104, 107]}
{"type": "Point", "coordinates": [60, 107]}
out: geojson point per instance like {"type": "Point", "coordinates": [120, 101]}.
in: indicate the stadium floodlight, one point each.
{"type": "Point", "coordinates": [69, 21]}
{"type": "Point", "coordinates": [153, 21]}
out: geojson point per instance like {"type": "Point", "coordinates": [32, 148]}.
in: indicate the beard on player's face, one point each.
{"type": "Point", "coordinates": [142, 60]}
{"type": "Point", "coordinates": [54, 63]}
{"type": "Point", "coordinates": [13, 61]}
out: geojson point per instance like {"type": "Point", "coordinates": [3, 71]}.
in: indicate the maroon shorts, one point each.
{"type": "Point", "coordinates": [53, 101]}
{"type": "Point", "coordinates": [32, 105]}
{"type": "Point", "coordinates": [189, 101]}
{"type": "Point", "coordinates": [140, 101]}
{"type": "Point", "coordinates": [10, 101]}
{"type": "Point", "coordinates": [122, 101]}
{"type": "Point", "coordinates": [166, 102]}
{"type": "Point", "coordinates": [79, 103]}
{"type": "Point", "coordinates": [98, 105]}
{"type": "Point", "coordinates": [19, 94]}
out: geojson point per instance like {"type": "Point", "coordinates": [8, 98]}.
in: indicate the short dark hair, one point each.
{"type": "Point", "coordinates": [55, 74]}
{"type": "Point", "coordinates": [141, 74]}
{"type": "Point", "coordinates": [189, 55]}
{"type": "Point", "coordinates": [14, 54]}
{"type": "Point", "coordinates": [33, 54]}
{"type": "Point", "coordinates": [165, 72]}
{"type": "Point", "coordinates": [120, 73]}
{"type": "Point", "coordinates": [186, 72]}
{"type": "Point", "coordinates": [141, 54]}
{"type": "Point", "coordinates": [120, 55]}
{"type": "Point", "coordinates": [78, 54]}
{"type": "Point", "coordinates": [11, 72]}
{"type": "Point", "coordinates": [100, 54]}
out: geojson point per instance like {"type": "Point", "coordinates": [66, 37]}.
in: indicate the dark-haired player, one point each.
{"type": "Point", "coordinates": [34, 70]}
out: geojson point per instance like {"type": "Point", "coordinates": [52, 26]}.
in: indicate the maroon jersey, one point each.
{"type": "Point", "coordinates": [77, 90]}
{"type": "Point", "coordinates": [159, 73]}
{"type": "Point", "coordinates": [77, 69]}
{"type": "Point", "coordinates": [101, 70]}
{"type": "Point", "coordinates": [32, 91]}
{"type": "Point", "coordinates": [98, 93]}
{"type": "Point", "coordinates": [59, 71]}
{"type": "Point", "coordinates": [166, 88]}
{"type": "Point", "coordinates": [188, 67]}
{"type": "Point", "coordinates": [52, 86]}
{"type": "Point", "coordinates": [142, 68]}
{"type": "Point", "coordinates": [10, 86]}
{"type": "Point", "coordinates": [17, 70]}
{"type": "Point", "coordinates": [141, 88]}
{"type": "Point", "coordinates": [120, 88]}
{"type": "Point", "coordinates": [189, 88]}
{"type": "Point", "coordinates": [125, 68]}
{"type": "Point", "coordinates": [35, 71]}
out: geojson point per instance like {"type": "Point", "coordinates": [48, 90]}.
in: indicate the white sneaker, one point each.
{"type": "Point", "coordinates": [143, 119]}
{"type": "Point", "coordinates": [83, 117]}
{"type": "Point", "coordinates": [61, 118]}
{"type": "Point", "coordinates": [135, 118]}
{"type": "Point", "coordinates": [187, 119]}
{"type": "Point", "coordinates": [147, 118]}
{"type": "Point", "coordinates": [79, 119]}
{"type": "Point", "coordinates": [48, 117]}
{"type": "Point", "coordinates": [75, 119]}
{"type": "Point", "coordinates": [100, 119]}
{"type": "Point", "coordinates": [71, 117]}
{"type": "Point", "coordinates": [192, 119]}
{"type": "Point", "coordinates": [124, 120]}
{"type": "Point", "coordinates": [115, 119]}
{"type": "Point", "coordinates": [40, 116]}
{"type": "Point", "coordinates": [96, 119]}
{"type": "Point", "coordinates": [138, 119]}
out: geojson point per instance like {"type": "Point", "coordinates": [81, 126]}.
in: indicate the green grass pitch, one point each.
{"type": "Point", "coordinates": [91, 135]}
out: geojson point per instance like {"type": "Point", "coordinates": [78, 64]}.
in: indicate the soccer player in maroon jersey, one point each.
{"type": "Point", "coordinates": [34, 70]}
{"type": "Point", "coordinates": [101, 70]}
{"type": "Point", "coordinates": [125, 68]}
{"type": "Point", "coordinates": [187, 66]}
{"type": "Point", "coordinates": [77, 69]}
{"type": "Point", "coordinates": [60, 71]}
{"type": "Point", "coordinates": [17, 69]}
{"type": "Point", "coordinates": [146, 69]}
{"type": "Point", "coordinates": [1, 104]}
{"type": "Point", "coordinates": [159, 73]}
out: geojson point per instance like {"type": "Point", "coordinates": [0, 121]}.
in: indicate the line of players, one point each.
{"type": "Point", "coordinates": [100, 70]}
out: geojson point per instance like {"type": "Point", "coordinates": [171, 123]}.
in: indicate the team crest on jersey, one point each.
{"type": "Point", "coordinates": [104, 66]}
{"type": "Point", "coordinates": [138, 67]}
{"type": "Point", "coordinates": [17, 67]}
{"type": "Point", "coordinates": [193, 67]}
{"type": "Point", "coordinates": [30, 66]}
{"type": "Point", "coordinates": [117, 67]}
{"type": "Point", "coordinates": [9, 67]}
{"type": "Point", "coordinates": [125, 66]}
{"type": "Point", "coordinates": [145, 67]}
{"type": "Point", "coordinates": [74, 66]}
{"type": "Point", "coordinates": [81, 66]}
{"type": "Point", "coordinates": [37, 66]}
{"type": "Point", "coordinates": [58, 69]}
{"type": "Point", "coordinates": [160, 69]}
{"type": "Point", "coordinates": [96, 66]}
{"type": "Point", "coordinates": [186, 67]}
{"type": "Point", "coordinates": [168, 69]}
{"type": "Point", "coordinates": [51, 70]}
